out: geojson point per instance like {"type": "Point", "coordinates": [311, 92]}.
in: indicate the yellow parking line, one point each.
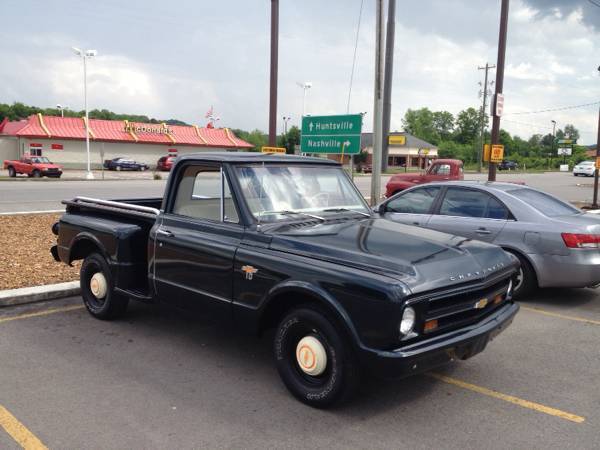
{"type": "Point", "coordinates": [40, 313]}
{"type": "Point", "coordinates": [509, 398]}
{"type": "Point", "coordinates": [19, 432]}
{"type": "Point", "coordinates": [560, 316]}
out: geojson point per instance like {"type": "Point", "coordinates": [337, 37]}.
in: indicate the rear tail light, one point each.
{"type": "Point", "coordinates": [573, 240]}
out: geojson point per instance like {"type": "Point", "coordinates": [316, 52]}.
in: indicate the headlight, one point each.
{"type": "Point", "coordinates": [408, 321]}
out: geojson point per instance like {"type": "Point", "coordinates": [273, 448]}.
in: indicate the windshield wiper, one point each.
{"type": "Point", "coordinates": [346, 210]}
{"type": "Point", "coordinates": [286, 212]}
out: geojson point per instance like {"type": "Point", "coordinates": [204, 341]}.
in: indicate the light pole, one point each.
{"type": "Point", "coordinates": [285, 121]}
{"type": "Point", "coordinates": [62, 108]}
{"type": "Point", "coordinates": [85, 55]}
{"type": "Point", "coordinates": [305, 85]}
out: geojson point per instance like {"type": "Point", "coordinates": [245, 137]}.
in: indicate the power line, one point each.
{"type": "Point", "coordinates": [562, 108]}
{"type": "Point", "coordinates": [354, 57]}
{"type": "Point", "coordinates": [594, 3]}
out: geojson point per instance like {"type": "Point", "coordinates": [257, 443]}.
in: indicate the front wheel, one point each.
{"type": "Point", "coordinates": [36, 174]}
{"type": "Point", "coordinates": [118, 168]}
{"type": "Point", "coordinates": [314, 358]}
{"type": "Point", "coordinates": [526, 281]}
{"type": "Point", "coordinates": [98, 290]}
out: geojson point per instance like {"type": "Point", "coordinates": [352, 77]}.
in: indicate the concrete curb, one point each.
{"type": "Point", "coordinates": [12, 297]}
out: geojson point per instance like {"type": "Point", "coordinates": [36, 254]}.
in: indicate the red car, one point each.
{"type": "Point", "coordinates": [165, 163]}
{"type": "Point", "coordinates": [439, 170]}
{"type": "Point", "coordinates": [33, 166]}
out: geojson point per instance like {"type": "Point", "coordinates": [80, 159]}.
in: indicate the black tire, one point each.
{"type": "Point", "coordinates": [36, 174]}
{"type": "Point", "coordinates": [112, 305]}
{"type": "Point", "coordinates": [341, 376]}
{"type": "Point", "coordinates": [527, 279]}
{"type": "Point", "coordinates": [12, 172]}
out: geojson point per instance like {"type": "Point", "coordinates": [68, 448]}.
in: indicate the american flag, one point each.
{"type": "Point", "coordinates": [209, 113]}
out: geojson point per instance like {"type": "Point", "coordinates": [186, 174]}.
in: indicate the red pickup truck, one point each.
{"type": "Point", "coordinates": [439, 170]}
{"type": "Point", "coordinates": [33, 166]}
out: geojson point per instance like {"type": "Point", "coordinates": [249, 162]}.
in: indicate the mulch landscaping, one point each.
{"type": "Point", "coordinates": [25, 258]}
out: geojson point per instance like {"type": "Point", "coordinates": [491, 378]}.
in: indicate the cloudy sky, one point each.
{"type": "Point", "coordinates": [176, 59]}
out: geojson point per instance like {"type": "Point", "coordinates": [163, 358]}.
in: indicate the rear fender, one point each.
{"type": "Point", "coordinates": [84, 244]}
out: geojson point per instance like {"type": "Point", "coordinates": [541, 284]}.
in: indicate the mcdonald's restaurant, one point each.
{"type": "Point", "coordinates": [63, 140]}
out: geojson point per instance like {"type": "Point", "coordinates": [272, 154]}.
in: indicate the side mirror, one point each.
{"type": "Point", "coordinates": [379, 209]}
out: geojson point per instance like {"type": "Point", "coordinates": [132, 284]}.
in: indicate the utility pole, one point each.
{"type": "Point", "coordinates": [485, 92]}
{"type": "Point", "coordinates": [595, 202]}
{"type": "Point", "coordinates": [387, 83]}
{"type": "Point", "coordinates": [377, 107]}
{"type": "Point", "coordinates": [273, 81]}
{"type": "Point", "coordinates": [499, 82]}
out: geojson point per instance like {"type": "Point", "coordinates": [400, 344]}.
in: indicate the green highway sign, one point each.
{"type": "Point", "coordinates": [331, 134]}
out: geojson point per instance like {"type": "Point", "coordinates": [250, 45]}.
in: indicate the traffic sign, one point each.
{"type": "Point", "coordinates": [497, 153]}
{"type": "Point", "coordinates": [497, 105]}
{"type": "Point", "coordinates": [273, 150]}
{"type": "Point", "coordinates": [331, 134]}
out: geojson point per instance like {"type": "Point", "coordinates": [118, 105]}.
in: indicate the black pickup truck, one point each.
{"type": "Point", "coordinates": [286, 242]}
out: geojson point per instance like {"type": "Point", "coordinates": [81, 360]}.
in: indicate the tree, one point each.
{"type": "Point", "coordinates": [419, 123]}
{"type": "Point", "coordinates": [290, 139]}
{"type": "Point", "coordinates": [443, 123]}
{"type": "Point", "coordinates": [467, 126]}
{"type": "Point", "coordinates": [571, 132]}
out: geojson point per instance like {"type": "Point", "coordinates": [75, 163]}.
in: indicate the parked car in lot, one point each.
{"type": "Point", "coordinates": [165, 163]}
{"type": "Point", "coordinates": [33, 166]}
{"type": "Point", "coordinates": [585, 168]}
{"type": "Point", "coordinates": [439, 170]}
{"type": "Point", "coordinates": [508, 165]}
{"type": "Point", "coordinates": [286, 242]}
{"type": "Point", "coordinates": [121, 163]}
{"type": "Point", "coordinates": [556, 243]}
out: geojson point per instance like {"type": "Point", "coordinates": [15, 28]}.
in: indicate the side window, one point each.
{"type": "Point", "coordinates": [199, 195]}
{"type": "Point", "coordinates": [472, 203]}
{"type": "Point", "coordinates": [441, 169]}
{"type": "Point", "coordinates": [417, 201]}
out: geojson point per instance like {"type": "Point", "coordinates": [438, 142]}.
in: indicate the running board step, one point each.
{"type": "Point", "coordinates": [135, 294]}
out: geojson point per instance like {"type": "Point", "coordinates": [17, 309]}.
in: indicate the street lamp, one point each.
{"type": "Point", "coordinates": [62, 108]}
{"type": "Point", "coordinates": [305, 85]}
{"type": "Point", "coordinates": [85, 55]}
{"type": "Point", "coordinates": [285, 121]}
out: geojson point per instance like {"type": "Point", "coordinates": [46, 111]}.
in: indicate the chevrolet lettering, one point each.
{"type": "Point", "coordinates": [288, 243]}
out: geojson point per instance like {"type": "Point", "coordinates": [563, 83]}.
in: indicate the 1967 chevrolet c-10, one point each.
{"type": "Point", "coordinates": [287, 242]}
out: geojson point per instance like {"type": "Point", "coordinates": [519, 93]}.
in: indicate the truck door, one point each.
{"type": "Point", "coordinates": [196, 240]}
{"type": "Point", "coordinates": [438, 172]}
{"type": "Point", "coordinates": [470, 213]}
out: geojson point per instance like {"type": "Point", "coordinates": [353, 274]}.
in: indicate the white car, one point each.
{"type": "Point", "coordinates": [586, 168]}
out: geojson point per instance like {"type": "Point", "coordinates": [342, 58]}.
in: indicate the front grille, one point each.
{"type": "Point", "coordinates": [453, 310]}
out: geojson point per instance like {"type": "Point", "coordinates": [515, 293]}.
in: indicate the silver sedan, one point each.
{"type": "Point", "coordinates": [557, 244]}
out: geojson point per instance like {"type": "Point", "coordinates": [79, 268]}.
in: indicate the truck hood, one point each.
{"type": "Point", "coordinates": [420, 258]}
{"type": "Point", "coordinates": [46, 166]}
{"type": "Point", "coordinates": [406, 176]}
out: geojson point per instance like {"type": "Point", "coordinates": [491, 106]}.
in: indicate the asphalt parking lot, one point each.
{"type": "Point", "coordinates": [163, 379]}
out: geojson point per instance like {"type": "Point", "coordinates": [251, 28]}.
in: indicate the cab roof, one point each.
{"type": "Point", "coordinates": [255, 157]}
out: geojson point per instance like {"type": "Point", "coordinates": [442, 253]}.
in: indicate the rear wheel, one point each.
{"type": "Point", "coordinates": [119, 168]}
{"type": "Point", "coordinates": [12, 172]}
{"type": "Point", "coordinates": [314, 358]}
{"type": "Point", "coordinates": [97, 289]}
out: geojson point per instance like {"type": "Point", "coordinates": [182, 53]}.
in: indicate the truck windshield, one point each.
{"type": "Point", "coordinates": [40, 160]}
{"type": "Point", "coordinates": [274, 192]}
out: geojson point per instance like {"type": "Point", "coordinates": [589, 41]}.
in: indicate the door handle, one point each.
{"type": "Point", "coordinates": [165, 233]}
{"type": "Point", "coordinates": [482, 231]}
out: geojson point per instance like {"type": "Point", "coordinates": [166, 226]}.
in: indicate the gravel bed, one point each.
{"type": "Point", "coordinates": [25, 259]}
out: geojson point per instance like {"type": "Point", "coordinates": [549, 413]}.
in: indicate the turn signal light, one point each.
{"type": "Point", "coordinates": [573, 240]}
{"type": "Point", "coordinates": [430, 325]}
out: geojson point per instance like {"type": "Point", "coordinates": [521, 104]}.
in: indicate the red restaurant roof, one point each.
{"type": "Point", "coordinates": [39, 126]}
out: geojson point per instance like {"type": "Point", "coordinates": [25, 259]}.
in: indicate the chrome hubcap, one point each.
{"type": "Point", "coordinates": [519, 279]}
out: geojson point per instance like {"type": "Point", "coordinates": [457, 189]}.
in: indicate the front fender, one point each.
{"type": "Point", "coordinates": [312, 292]}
